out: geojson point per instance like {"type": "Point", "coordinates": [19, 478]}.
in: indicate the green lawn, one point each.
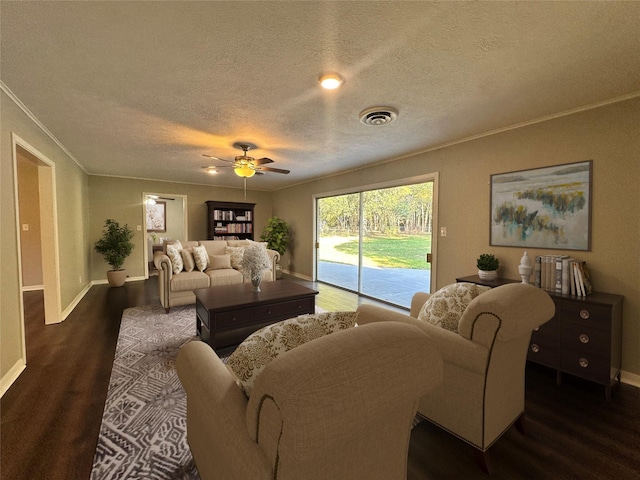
{"type": "Point", "coordinates": [401, 251]}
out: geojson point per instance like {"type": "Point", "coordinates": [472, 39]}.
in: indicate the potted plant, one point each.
{"type": "Point", "coordinates": [487, 266]}
{"type": "Point", "coordinates": [276, 234]}
{"type": "Point", "coordinates": [115, 246]}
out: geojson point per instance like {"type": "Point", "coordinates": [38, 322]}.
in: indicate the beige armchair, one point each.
{"type": "Point", "coordinates": [338, 407]}
{"type": "Point", "coordinates": [482, 392]}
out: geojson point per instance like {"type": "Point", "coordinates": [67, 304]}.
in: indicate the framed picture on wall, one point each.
{"type": "Point", "coordinates": [547, 207]}
{"type": "Point", "coordinates": [157, 217]}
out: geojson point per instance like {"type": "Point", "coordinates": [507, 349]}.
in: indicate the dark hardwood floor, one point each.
{"type": "Point", "coordinates": [50, 417]}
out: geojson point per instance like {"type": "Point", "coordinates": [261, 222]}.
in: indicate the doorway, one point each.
{"type": "Point", "coordinates": [378, 241]}
{"type": "Point", "coordinates": [36, 223]}
{"type": "Point", "coordinates": [164, 219]}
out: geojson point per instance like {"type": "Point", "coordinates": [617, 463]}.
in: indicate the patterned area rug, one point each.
{"type": "Point", "coordinates": [144, 424]}
{"type": "Point", "coordinates": [143, 432]}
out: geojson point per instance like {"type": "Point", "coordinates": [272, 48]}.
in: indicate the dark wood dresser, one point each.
{"type": "Point", "coordinates": [584, 338]}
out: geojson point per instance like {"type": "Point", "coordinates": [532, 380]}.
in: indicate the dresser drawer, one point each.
{"type": "Point", "coordinates": [544, 349]}
{"type": "Point", "coordinates": [587, 365]}
{"type": "Point", "coordinates": [586, 338]}
{"type": "Point", "coordinates": [588, 315]}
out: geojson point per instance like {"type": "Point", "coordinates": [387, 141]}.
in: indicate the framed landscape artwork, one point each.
{"type": "Point", "coordinates": [157, 217]}
{"type": "Point", "coordinates": [546, 207]}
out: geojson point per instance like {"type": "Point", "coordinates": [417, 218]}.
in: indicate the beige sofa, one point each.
{"type": "Point", "coordinates": [338, 407]}
{"type": "Point", "coordinates": [482, 393]}
{"type": "Point", "coordinates": [177, 289]}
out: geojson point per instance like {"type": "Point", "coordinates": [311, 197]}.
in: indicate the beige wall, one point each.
{"type": "Point", "coordinates": [121, 199]}
{"type": "Point", "coordinates": [71, 192]}
{"type": "Point", "coordinates": [610, 136]}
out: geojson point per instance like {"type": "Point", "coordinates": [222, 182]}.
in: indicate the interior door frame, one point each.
{"type": "Point", "coordinates": [185, 220]}
{"type": "Point", "coordinates": [427, 177]}
{"type": "Point", "coordinates": [48, 229]}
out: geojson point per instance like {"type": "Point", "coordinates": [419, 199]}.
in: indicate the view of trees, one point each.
{"type": "Point", "coordinates": [396, 210]}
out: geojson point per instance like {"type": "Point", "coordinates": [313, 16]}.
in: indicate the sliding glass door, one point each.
{"type": "Point", "coordinates": [375, 242]}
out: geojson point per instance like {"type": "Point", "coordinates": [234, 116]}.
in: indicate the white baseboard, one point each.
{"type": "Point", "coordinates": [630, 378]}
{"type": "Point", "coordinates": [297, 275]}
{"type": "Point", "coordinates": [74, 303]}
{"type": "Point", "coordinates": [32, 288]}
{"type": "Point", "coordinates": [104, 281]}
{"type": "Point", "coordinates": [11, 376]}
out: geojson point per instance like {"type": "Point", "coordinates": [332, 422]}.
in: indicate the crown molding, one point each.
{"type": "Point", "coordinates": [40, 125]}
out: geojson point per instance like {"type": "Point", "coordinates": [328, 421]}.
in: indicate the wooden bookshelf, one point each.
{"type": "Point", "coordinates": [229, 220]}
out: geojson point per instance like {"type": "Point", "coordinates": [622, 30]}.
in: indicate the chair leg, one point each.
{"type": "Point", "coordinates": [520, 425]}
{"type": "Point", "coordinates": [483, 461]}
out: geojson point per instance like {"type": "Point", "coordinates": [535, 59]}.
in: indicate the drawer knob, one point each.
{"type": "Point", "coordinates": [584, 314]}
{"type": "Point", "coordinates": [584, 363]}
{"type": "Point", "coordinates": [268, 312]}
{"type": "Point", "coordinates": [535, 348]}
{"type": "Point", "coordinates": [584, 338]}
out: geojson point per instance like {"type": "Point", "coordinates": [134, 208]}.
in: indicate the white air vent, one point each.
{"type": "Point", "coordinates": [378, 115]}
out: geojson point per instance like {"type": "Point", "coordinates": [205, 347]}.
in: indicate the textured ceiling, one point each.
{"type": "Point", "coordinates": [143, 89]}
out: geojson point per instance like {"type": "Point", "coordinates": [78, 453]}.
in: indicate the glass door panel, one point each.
{"type": "Point", "coordinates": [338, 231]}
{"type": "Point", "coordinates": [395, 242]}
{"type": "Point", "coordinates": [376, 242]}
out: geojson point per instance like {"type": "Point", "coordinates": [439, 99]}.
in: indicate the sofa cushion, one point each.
{"type": "Point", "coordinates": [201, 258]}
{"type": "Point", "coordinates": [187, 259]}
{"type": "Point", "coordinates": [214, 247]}
{"type": "Point", "coordinates": [176, 258]}
{"type": "Point", "coordinates": [445, 307]}
{"type": "Point", "coordinates": [219, 262]}
{"type": "Point", "coordinates": [263, 346]}
{"type": "Point", "coordinates": [225, 276]}
{"type": "Point", "coordinates": [236, 256]}
{"type": "Point", "coordinates": [189, 281]}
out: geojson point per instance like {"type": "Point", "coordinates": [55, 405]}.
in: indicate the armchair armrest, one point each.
{"type": "Point", "coordinates": [216, 409]}
{"type": "Point", "coordinates": [454, 348]}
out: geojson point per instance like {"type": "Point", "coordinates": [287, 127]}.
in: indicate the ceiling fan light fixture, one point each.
{"type": "Point", "coordinates": [244, 171]}
{"type": "Point", "coordinates": [331, 81]}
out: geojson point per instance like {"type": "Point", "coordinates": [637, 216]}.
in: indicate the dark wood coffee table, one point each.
{"type": "Point", "coordinates": [227, 314]}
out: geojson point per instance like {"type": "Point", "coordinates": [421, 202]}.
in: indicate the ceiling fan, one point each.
{"type": "Point", "coordinates": [245, 166]}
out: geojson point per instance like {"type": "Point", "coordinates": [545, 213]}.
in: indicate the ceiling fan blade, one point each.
{"type": "Point", "coordinates": [270, 169]}
{"type": "Point", "coordinates": [262, 161]}
{"type": "Point", "coordinates": [218, 158]}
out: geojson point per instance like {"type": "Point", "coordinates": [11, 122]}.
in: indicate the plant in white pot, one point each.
{"type": "Point", "coordinates": [487, 266]}
{"type": "Point", "coordinates": [115, 246]}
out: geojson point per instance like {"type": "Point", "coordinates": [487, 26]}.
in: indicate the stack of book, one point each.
{"type": "Point", "coordinates": [562, 274]}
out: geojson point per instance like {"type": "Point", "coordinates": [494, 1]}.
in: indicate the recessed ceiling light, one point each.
{"type": "Point", "coordinates": [331, 81]}
{"type": "Point", "coordinates": [211, 170]}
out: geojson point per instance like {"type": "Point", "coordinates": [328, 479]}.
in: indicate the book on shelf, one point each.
{"type": "Point", "coordinates": [562, 274]}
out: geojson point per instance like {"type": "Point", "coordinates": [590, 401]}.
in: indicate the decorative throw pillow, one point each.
{"type": "Point", "coordinates": [219, 262]}
{"type": "Point", "coordinates": [177, 245]}
{"type": "Point", "coordinates": [264, 244]}
{"type": "Point", "coordinates": [236, 256]}
{"type": "Point", "coordinates": [201, 257]}
{"type": "Point", "coordinates": [445, 307]}
{"type": "Point", "coordinates": [187, 259]}
{"type": "Point", "coordinates": [176, 259]}
{"type": "Point", "coordinates": [262, 347]}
